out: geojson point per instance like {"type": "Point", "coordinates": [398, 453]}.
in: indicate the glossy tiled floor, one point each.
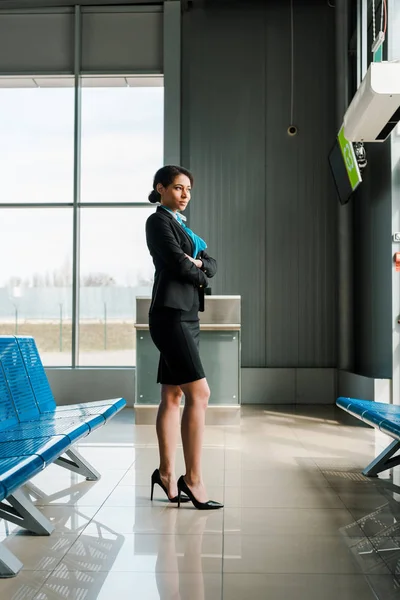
{"type": "Point", "coordinates": [299, 522]}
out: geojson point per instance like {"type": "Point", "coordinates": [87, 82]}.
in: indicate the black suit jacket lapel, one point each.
{"type": "Point", "coordinates": [178, 228]}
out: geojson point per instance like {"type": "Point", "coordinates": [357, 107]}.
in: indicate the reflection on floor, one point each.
{"type": "Point", "coordinates": [300, 521]}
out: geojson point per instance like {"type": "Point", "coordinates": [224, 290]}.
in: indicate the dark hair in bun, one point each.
{"type": "Point", "coordinates": [166, 176]}
{"type": "Point", "coordinates": [154, 197]}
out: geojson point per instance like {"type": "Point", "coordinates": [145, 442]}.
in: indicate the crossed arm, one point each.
{"type": "Point", "coordinates": [163, 244]}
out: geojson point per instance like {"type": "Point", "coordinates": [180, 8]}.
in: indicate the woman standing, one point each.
{"type": "Point", "coordinates": [181, 270]}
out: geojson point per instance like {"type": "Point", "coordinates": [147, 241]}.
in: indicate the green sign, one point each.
{"type": "Point", "coordinates": [350, 160]}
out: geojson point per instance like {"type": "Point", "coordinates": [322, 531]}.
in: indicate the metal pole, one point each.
{"type": "Point", "coordinates": [172, 81]}
{"type": "Point", "coordinates": [61, 320]}
{"type": "Point", "coordinates": [105, 325]}
{"type": "Point", "coordinates": [364, 37]}
{"type": "Point", "coordinates": [345, 213]}
{"type": "Point", "coordinates": [77, 189]}
{"type": "Point", "coordinates": [359, 42]}
{"type": "Point", "coordinates": [16, 319]}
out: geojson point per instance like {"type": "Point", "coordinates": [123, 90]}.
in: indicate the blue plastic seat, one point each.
{"type": "Point", "coordinates": [385, 418]}
{"type": "Point", "coordinates": [48, 448]}
{"type": "Point", "coordinates": [17, 470]}
{"type": "Point", "coordinates": [35, 432]}
{"type": "Point", "coordinates": [73, 428]}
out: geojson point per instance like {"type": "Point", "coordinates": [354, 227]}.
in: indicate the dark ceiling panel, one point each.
{"type": "Point", "coordinates": [31, 4]}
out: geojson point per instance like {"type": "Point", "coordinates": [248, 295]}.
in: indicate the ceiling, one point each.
{"type": "Point", "coordinates": [33, 4]}
{"type": "Point", "coordinates": [26, 4]}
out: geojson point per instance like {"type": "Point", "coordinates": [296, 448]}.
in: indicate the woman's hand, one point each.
{"type": "Point", "coordinates": [195, 261]}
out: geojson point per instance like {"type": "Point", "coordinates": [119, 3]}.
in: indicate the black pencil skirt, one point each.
{"type": "Point", "coordinates": [176, 334]}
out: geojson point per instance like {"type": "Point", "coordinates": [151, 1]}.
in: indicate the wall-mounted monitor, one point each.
{"type": "Point", "coordinates": [344, 167]}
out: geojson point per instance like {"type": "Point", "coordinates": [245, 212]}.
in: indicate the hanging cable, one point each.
{"type": "Point", "coordinates": [292, 129]}
{"type": "Point", "coordinates": [373, 20]}
{"type": "Point", "coordinates": [292, 66]}
{"type": "Point", "coordinates": [386, 15]}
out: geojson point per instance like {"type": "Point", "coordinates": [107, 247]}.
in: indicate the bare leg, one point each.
{"type": "Point", "coordinates": [167, 427]}
{"type": "Point", "coordinates": [197, 394]}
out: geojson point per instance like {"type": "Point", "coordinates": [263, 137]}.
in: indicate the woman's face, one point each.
{"type": "Point", "coordinates": [177, 195]}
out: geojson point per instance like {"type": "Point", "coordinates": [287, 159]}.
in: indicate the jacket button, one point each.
{"type": "Point", "coordinates": [201, 286]}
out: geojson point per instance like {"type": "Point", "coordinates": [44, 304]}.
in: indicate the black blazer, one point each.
{"type": "Point", "coordinates": [176, 277]}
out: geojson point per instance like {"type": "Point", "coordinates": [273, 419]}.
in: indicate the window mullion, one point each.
{"type": "Point", "coordinates": [77, 189]}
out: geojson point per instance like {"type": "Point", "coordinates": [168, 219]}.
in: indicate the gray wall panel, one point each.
{"type": "Point", "coordinates": [265, 202]}
{"type": "Point", "coordinates": [394, 53]}
{"type": "Point", "coordinates": [315, 386]}
{"type": "Point", "coordinates": [288, 386]}
{"type": "Point", "coordinates": [70, 386]}
{"type": "Point", "coordinates": [373, 266]}
{"type": "Point", "coordinates": [35, 43]}
{"type": "Point", "coordinates": [122, 41]}
{"type": "Point", "coordinates": [355, 386]}
{"type": "Point", "coordinates": [224, 144]}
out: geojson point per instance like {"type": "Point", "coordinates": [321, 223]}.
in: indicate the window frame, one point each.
{"type": "Point", "coordinates": [76, 205]}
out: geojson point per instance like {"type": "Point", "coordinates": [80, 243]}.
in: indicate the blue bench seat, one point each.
{"type": "Point", "coordinates": [17, 470]}
{"type": "Point", "coordinates": [47, 448]}
{"type": "Point", "coordinates": [35, 432]}
{"type": "Point", "coordinates": [73, 428]}
{"type": "Point", "coordinates": [385, 418]}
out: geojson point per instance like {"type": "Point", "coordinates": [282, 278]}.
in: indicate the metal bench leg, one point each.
{"type": "Point", "coordinates": [384, 461]}
{"type": "Point", "coordinates": [78, 464]}
{"type": "Point", "coordinates": [24, 513]}
{"type": "Point", "coordinates": [9, 564]}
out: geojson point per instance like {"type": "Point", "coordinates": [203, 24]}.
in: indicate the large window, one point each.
{"type": "Point", "coordinates": [120, 148]}
{"type": "Point", "coordinates": [37, 144]}
{"type": "Point", "coordinates": [122, 142]}
{"type": "Point", "coordinates": [115, 268]}
{"type": "Point", "coordinates": [36, 278]}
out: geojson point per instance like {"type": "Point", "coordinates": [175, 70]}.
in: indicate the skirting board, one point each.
{"type": "Point", "coordinates": [288, 386]}
{"type": "Point", "coordinates": [259, 386]}
{"type": "Point", "coordinates": [88, 385]}
{"type": "Point", "coordinates": [351, 385]}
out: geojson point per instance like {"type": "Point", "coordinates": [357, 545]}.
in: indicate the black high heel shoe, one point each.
{"type": "Point", "coordinates": [183, 487]}
{"type": "Point", "coordinates": [156, 478]}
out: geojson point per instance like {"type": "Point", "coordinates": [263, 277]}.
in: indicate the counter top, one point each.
{"type": "Point", "coordinates": [220, 312]}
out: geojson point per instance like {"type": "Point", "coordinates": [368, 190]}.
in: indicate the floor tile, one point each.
{"type": "Point", "coordinates": [75, 585]}
{"type": "Point", "coordinates": [40, 553]}
{"type": "Point", "coordinates": [157, 519]}
{"type": "Point", "coordinates": [383, 521]}
{"type": "Point", "coordinates": [275, 497]}
{"type": "Point", "coordinates": [263, 459]}
{"type": "Point", "coordinates": [300, 554]}
{"type": "Point", "coordinates": [24, 586]}
{"type": "Point", "coordinates": [300, 519]}
{"type": "Point", "coordinates": [108, 456]}
{"type": "Point", "coordinates": [65, 519]}
{"type": "Point", "coordinates": [290, 521]}
{"type": "Point", "coordinates": [309, 587]}
{"type": "Point", "coordinates": [282, 478]}
{"type": "Point", "coordinates": [81, 493]}
{"type": "Point", "coordinates": [145, 553]}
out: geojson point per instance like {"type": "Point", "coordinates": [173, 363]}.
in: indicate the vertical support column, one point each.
{"type": "Point", "coordinates": [364, 38]}
{"type": "Point", "coordinates": [393, 41]}
{"type": "Point", "coordinates": [172, 82]}
{"type": "Point", "coordinates": [345, 213]}
{"type": "Point", "coordinates": [77, 188]}
{"type": "Point", "coordinates": [359, 30]}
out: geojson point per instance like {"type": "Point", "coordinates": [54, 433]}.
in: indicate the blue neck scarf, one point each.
{"type": "Point", "coordinates": [198, 243]}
